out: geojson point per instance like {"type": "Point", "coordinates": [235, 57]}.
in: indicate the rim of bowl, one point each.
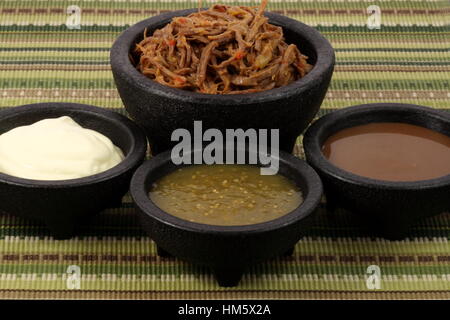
{"type": "Point", "coordinates": [142, 200]}
{"type": "Point", "coordinates": [318, 130]}
{"type": "Point", "coordinates": [137, 150]}
{"type": "Point", "coordinates": [121, 64]}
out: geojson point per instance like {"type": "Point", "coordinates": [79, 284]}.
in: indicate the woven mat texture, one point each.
{"type": "Point", "coordinates": [406, 60]}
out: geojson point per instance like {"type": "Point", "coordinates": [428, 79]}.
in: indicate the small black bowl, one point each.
{"type": "Point", "coordinates": [227, 250]}
{"type": "Point", "coordinates": [161, 109]}
{"type": "Point", "coordinates": [389, 207]}
{"type": "Point", "coordinates": [64, 204]}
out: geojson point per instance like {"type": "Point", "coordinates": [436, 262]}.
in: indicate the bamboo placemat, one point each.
{"type": "Point", "coordinates": [406, 60]}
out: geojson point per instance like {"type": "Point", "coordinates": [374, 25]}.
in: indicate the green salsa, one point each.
{"type": "Point", "coordinates": [225, 195]}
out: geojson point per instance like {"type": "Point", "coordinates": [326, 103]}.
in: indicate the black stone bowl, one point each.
{"type": "Point", "coordinates": [64, 204]}
{"type": "Point", "coordinates": [161, 109]}
{"type": "Point", "coordinates": [389, 208]}
{"type": "Point", "coordinates": [227, 250]}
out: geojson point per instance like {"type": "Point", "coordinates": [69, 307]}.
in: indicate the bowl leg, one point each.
{"type": "Point", "coordinates": [162, 253]}
{"type": "Point", "coordinates": [228, 277]}
{"type": "Point", "coordinates": [394, 231]}
{"type": "Point", "coordinates": [116, 203]}
{"type": "Point", "coordinates": [61, 230]}
{"type": "Point", "coordinates": [388, 228]}
{"type": "Point", "coordinates": [289, 252]}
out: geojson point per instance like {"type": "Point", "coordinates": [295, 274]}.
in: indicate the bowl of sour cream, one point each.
{"type": "Point", "coordinates": [63, 162]}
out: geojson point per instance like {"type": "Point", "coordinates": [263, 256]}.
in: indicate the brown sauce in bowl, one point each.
{"type": "Point", "coordinates": [390, 151]}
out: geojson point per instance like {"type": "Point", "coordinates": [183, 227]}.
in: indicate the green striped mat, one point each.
{"type": "Point", "coordinates": [407, 60]}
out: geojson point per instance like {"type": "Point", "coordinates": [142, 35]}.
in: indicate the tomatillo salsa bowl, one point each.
{"type": "Point", "coordinates": [64, 204]}
{"type": "Point", "coordinates": [390, 208]}
{"type": "Point", "coordinates": [160, 109]}
{"type": "Point", "coordinates": [227, 250]}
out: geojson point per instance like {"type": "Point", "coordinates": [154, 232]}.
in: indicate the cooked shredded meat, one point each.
{"type": "Point", "coordinates": [222, 50]}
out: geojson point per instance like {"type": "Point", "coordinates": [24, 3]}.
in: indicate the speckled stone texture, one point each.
{"type": "Point", "coordinates": [386, 208]}
{"type": "Point", "coordinates": [227, 250]}
{"type": "Point", "coordinates": [64, 204]}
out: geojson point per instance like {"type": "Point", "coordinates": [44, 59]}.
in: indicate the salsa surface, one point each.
{"type": "Point", "coordinates": [225, 194]}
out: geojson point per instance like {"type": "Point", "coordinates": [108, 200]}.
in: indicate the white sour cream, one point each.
{"type": "Point", "coordinates": [56, 149]}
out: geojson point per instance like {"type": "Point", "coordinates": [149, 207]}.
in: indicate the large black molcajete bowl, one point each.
{"type": "Point", "coordinates": [64, 204]}
{"type": "Point", "coordinates": [228, 250]}
{"type": "Point", "coordinates": [160, 109]}
{"type": "Point", "coordinates": [390, 208]}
